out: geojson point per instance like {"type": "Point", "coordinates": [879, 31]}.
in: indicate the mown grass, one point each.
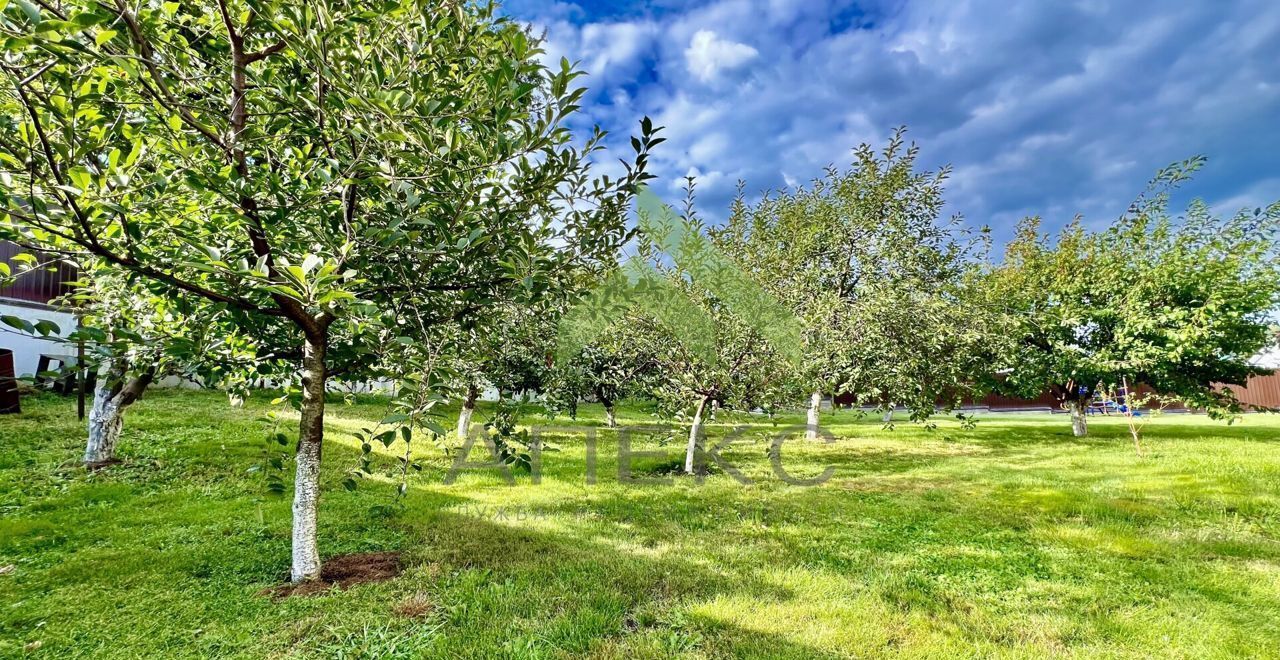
{"type": "Point", "coordinates": [1012, 539]}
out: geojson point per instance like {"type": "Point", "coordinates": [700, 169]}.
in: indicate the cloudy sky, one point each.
{"type": "Point", "coordinates": [1045, 107]}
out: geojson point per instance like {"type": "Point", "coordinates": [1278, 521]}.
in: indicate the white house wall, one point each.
{"type": "Point", "coordinates": [27, 350]}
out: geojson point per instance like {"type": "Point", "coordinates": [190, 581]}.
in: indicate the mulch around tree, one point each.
{"type": "Point", "coordinates": [342, 572]}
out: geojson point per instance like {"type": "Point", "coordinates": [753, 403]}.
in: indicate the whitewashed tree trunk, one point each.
{"type": "Point", "coordinates": [610, 417]}
{"type": "Point", "coordinates": [815, 411]}
{"type": "Point", "coordinates": [111, 396]}
{"type": "Point", "coordinates": [106, 419]}
{"type": "Point", "coordinates": [306, 484]}
{"type": "Point", "coordinates": [1079, 422]}
{"type": "Point", "coordinates": [695, 433]}
{"type": "Point", "coordinates": [888, 414]}
{"type": "Point", "coordinates": [467, 411]}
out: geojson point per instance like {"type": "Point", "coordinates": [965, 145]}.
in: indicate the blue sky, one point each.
{"type": "Point", "coordinates": [1042, 107]}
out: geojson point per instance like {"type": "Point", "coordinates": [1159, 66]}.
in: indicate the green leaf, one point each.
{"type": "Point", "coordinates": [134, 153]}
{"type": "Point", "coordinates": [286, 291]}
{"type": "Point", "coordinates": [104, 36]}
{"type": "Point", "coordinates": [81, 178]}
{"type": "Point", "coordinates": [17, 323]}
{"type": "Point", "coordinates": [32, 11]}
{"type": "Point", "coordinates": [297, 273]}
{"type": "Point", "coordinates": [46, 327]}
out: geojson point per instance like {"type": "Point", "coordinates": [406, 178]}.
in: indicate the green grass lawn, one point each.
{"type": "Point", "coordinates": [1012, 539]}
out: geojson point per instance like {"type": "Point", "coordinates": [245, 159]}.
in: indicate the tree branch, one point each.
{"type": "Point", "coordinates": [263, 54]}
{"type": "Point", "coordinates": [146, 54]}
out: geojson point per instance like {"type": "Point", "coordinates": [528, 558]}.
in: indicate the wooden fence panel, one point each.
{"type": "Point", "coordinates": [37, 286]}
{"type": "Point", "coordinates": [1260, 391]}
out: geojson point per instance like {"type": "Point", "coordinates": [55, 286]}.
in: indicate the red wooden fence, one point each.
{"type": "Point", "coordinates": [1260, 391]}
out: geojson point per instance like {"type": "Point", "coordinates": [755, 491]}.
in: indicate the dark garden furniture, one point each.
{"type": "Point", "coordinates": [9, 403]}
{"type": "Point", "coordinates": [63, 379]}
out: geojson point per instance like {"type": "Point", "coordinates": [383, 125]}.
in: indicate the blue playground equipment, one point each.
{"type": "Point", "coordinates": [1101, 405]}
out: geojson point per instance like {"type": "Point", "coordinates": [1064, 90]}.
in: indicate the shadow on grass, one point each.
{"type": "Point", "coordinates": [579, 591]}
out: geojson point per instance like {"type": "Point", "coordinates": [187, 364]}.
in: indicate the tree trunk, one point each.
{"type": "Point", "coordinates": [306, 484]}
{"type": "Point", "coordinates": [106, 418]}
{"type": "Point", "coordinates": [610, 417]}
{"type": "Point", "coordinates": [1079, 424]}
{"type": "Point", "coordinates": [815, 410]}
{"type": "Point", "coordinates": [888, 414]}
{"type": "Point", "coordinates": [1135, 430]}
{"type": "Point", "coordinates": [695, 432]}
{"type": "Point", "coordinates": [111, 395]}
{"type": "Point", "coordinates": [468, 409]}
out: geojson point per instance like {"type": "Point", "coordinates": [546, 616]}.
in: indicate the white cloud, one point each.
{"type": "Point", "coordinates": [1258, 195]}
{"type": "Point", "coordinates": [708, 55]}
{"type": "Point", "coordinates": [1042, 108]}
{"type": "Point", "coordinates": [615, 46]}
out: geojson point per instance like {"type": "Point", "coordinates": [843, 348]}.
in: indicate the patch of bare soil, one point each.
{"type": "Point", "coordinates": [97, 466]}
{"type": "Point", "coordinates": [342, 572]}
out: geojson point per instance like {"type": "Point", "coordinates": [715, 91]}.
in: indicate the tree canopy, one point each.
{"type": "Point", "coordinates": [1180, 304]}
{"type": "Point", "coordinates": [341, 166]}
{"type": "Point", "coordinates": [880, 279]}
